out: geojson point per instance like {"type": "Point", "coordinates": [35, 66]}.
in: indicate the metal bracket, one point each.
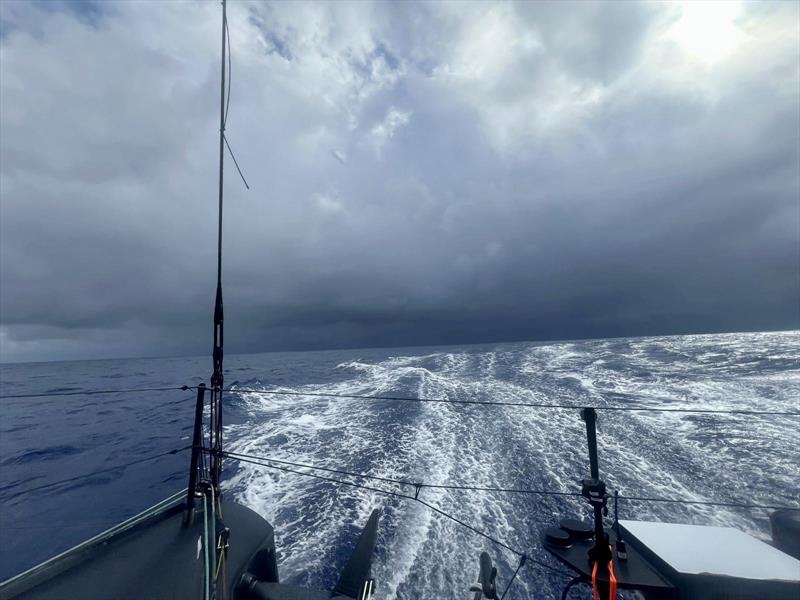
{"type": "Point", "coordinates": [417, 488]}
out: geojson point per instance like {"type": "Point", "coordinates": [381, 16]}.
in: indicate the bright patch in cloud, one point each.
{"type": "Point", "coordinates": [570, 171]}
{"type": "Point", "coordinates": [707, 29]}
{"type": "Point", "coordinates": [385, 130]}
{"type": "Point", "coordinates": [328, 203]}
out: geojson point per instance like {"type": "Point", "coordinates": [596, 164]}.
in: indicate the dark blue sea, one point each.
{"type": "Point", "coordinates": [420, 554]}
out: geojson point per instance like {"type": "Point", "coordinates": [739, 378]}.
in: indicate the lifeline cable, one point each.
{"type": "Point", "coordinates": [732, 411]}
{"type": "Point", "coordinates": [184, 388]}
{"type": "Point", "coordinates": [403, 481]}
{"type": "Point", "coordinates": [473, 488]}
{"type": "Point", "coordinates": [406, 497]}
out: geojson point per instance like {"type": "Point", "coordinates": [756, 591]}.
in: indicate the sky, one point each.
{"type": "Point", "coordinates": [420, 173]}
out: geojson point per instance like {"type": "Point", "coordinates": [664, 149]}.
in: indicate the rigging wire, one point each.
{"type": "Point", "coordinates": [98, 472]}
{"type": "Point", "coordinates": [228, 101]}
{"type": "Point", "coordinates": [256, 461]}
{"type": "Point", "coordinates": [522, 560]}
{"type": "Point", "coordinates": [411, 483]}
{"type": "Point", "coordinates": [524, 404]}
{"type": "Point", "coordinates": [474, 488]}
{"type": "Point", "coordinates": [402, 481]}
{"type": "Point", "coordinates": [236, 164]}
{"type": "Point", "coordinates": [266, 463]}
{"type": "Point", "coordinates": [184, 388]}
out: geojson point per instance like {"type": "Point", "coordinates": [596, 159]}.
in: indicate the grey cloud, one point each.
{"type": "Point", "coordinates": [666, 202]}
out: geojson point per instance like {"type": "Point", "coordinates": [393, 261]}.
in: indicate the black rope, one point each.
{"type": "Point", "coordinates": [99, 472]}
{"type": "Point", "coordinates": [93, 392]}
{"type": "Point", "coordinates": [394, 494]}
{"type": "Point", "coordinates": [525, 404]}
{"type": "Point", "coordinates": [570, 585]}
{"type": "Point", "coordinates": [474, 488]}
{"type": "Point", "coordinates": [522, 560]}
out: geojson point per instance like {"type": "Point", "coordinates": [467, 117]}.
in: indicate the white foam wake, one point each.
{"type": "Point", "coordinates": [649, 454]}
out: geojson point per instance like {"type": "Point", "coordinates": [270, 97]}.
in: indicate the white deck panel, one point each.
{"type": "Point", "coordinates": [697, 549]}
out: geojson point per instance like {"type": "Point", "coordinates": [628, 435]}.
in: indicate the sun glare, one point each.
{"type": "Point", "coordinates": [707, 29]}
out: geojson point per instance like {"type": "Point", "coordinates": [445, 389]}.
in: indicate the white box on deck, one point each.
{"type": "Point", "coordinates": [723, 551]}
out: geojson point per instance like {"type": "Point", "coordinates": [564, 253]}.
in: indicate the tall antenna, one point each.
{"type": "Point", "coordinates": [217, 377]}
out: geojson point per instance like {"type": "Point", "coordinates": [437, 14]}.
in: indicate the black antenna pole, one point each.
{"type": "Point", "coordinates": [217, 377]}
{"type": "Point", "coordinates": [594, 489]}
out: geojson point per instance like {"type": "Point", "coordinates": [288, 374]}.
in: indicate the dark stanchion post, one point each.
{"type": "Point", "coordinates": [197, 441]}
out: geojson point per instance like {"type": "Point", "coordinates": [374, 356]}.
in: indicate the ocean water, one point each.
{"type": "Point", "coordinates": [419, 554]}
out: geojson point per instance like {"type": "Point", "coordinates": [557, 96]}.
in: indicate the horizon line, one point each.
{"type": "Point", "coordinates": [382, 347]}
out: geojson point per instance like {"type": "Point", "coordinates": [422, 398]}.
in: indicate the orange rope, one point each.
{"type": "Point", "coordinates": [612, 578]}
{"type": "Point", "coordinates": [612, 581]}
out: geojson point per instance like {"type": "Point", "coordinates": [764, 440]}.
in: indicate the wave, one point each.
{"type": "Point", "coordinates": [713, 457]}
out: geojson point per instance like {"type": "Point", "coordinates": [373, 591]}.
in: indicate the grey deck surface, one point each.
{"type": "Point", "coordinates": [157, 560]}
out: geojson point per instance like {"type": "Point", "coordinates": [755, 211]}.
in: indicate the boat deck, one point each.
{"type": "Point", "coordinates": [156, 559]}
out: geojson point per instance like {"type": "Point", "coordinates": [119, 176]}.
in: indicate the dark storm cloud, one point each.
{"type": "Point", "coordinates": [420, 173]}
